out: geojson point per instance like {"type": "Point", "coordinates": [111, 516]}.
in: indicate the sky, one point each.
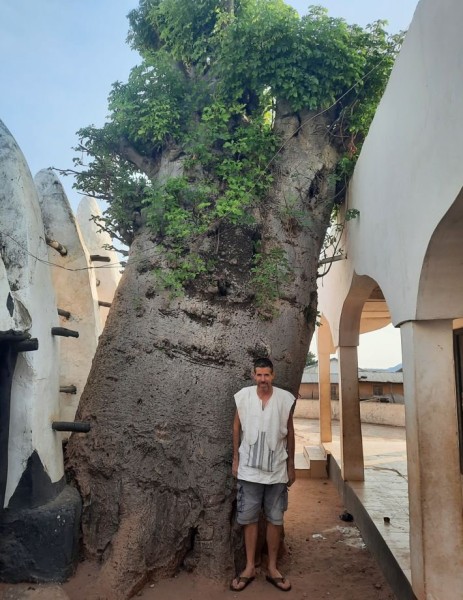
{"type": "Point", "coordinates": [60, 57]}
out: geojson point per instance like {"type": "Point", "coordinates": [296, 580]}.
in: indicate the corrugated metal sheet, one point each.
{"type": "Point", "coordinates": [380, 376]}
{"type": "Point", "coordinates": [310, 374]}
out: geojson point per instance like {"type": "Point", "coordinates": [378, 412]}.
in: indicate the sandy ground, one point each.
{"type": "Point", "coordinates": [326, 559]}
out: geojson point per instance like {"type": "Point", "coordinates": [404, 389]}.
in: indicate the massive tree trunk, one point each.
{"type": "Point", "coordinates": [155, 470]}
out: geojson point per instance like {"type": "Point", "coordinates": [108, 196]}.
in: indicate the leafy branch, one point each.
{"type": "Point", "coordinates": [204, 98]}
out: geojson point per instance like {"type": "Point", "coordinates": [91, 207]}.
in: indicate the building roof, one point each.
{"type": "Point", "coordinates": [310, 374]}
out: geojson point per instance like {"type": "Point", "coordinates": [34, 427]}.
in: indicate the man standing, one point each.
{"type": "Point", "coordinates": [264, 464]}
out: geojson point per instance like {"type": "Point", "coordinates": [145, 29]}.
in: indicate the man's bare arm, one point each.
{"type": "Point", "coordinates": [236, 443]}
{"type": "Point", "coordinates": [290, 448]}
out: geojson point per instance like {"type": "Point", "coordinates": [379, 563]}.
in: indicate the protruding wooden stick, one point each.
{"type": "Point", "coordinates": [56, 245]}
{"type": "Point", "coordinates": [106, 304]}
{"type": "Point", "coordinates": [68, 389]}
{"type": "Point", "coordinates": [27, 345]}
{"type": "Point", "coordinates": [77, 426]}
{"type": "Point", "coordinates": [62, 331]}
{"type": "Point", "coordinates": [99, 258]}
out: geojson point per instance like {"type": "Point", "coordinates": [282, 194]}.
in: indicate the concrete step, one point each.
{"type": "Point", "coordinates": [316, 457]}
{"type": "Point", "coordinates": [302, 466]}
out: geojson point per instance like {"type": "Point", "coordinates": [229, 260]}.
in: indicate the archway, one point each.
{"type": "Point", "coordinates": [432, 375]}
{"type": "Point", "coordinates": [364, 310]}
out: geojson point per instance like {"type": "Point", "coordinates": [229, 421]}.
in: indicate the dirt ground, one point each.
{"type": "Point", "coordinates": [326, 559]}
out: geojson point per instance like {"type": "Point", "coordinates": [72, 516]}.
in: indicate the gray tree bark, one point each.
{"type": "Point", "coordinates": [155, 470]}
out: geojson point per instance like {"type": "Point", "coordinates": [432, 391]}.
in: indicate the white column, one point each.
{"type": "Point", "coordinates": [434, 479]}
{"type": "Point", "coordinates": [352, 465]}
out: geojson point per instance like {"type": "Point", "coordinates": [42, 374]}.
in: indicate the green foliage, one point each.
{"type": "Point", "coordinates": [148, 109]}
{"type": "Point", "coordinates": [186, 28]}
{"type": "Point", "coordinates": [269, 274]}
{"type": "Point", "coordinates": [234, 179]}
{"type": "Point", "coordinates": [333, 237]}
{"type": "Point", "coordinates": [308, 61]}
{"type": "Point", "coordinates": [358, 107]}
{"type": "Point", "coordinates": [310, 359]}
{"type": "Point", "coordinates": [176, 209]}
{"type": "Point", "coordinates": [182, 270]}
{"type": "Point", "coordinates": [351, 213]}
{"type": "Point", "coordinates": [110, 178]}
{"type": "Point", "coordinates": [211, 75]}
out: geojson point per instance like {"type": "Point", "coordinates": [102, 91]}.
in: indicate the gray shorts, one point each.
{"type": "Point", "coordinates": [251, 497]}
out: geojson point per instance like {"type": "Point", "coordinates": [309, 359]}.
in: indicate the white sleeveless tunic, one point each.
{"type": "Point", "coordinates": [262, 452]}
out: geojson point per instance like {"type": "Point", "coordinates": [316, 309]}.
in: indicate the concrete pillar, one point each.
{"type": "Point", "coordinates": [352, 465]}
{"type": "Point", "coordinates": [324, 392]}
{"type": "Point", "coordinates": [324, 386]}
{"type": "Point", "coordinates": [325, 348]}
{"type": "Point", "coordinates": [434, 479]}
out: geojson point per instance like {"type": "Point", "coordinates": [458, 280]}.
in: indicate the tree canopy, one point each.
{"type": "Point", "coordinates": [212, 75]}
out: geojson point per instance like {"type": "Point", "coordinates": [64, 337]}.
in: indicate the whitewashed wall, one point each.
{"type": "Point", "coordinates": [377, 413]}
{"type": "Point", "coordinates": [107, 274]}
{"type": "Point", "coordinates": [75, 290]}
{"type": "Point", "coordinates": [34, 394]}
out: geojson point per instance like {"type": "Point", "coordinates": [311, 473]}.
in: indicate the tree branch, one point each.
{"type": "Point", "coordinates": [148, 166]}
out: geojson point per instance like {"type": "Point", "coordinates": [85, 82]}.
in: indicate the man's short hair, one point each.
{"type": "Point", "coordinates": [263, 363]}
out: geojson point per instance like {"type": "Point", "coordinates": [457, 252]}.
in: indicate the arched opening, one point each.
{"type": "Point", "coordinates": [440, 294]}
{"type": "Point", "coordinates": [432, 361]}
{"type": "Point", "coordinates": [370, 397]}
{"type": "Point", "coordinates": [368, 460]}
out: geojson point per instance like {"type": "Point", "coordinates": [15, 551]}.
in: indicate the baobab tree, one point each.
{"type": "Point", "coordinates": [221, 161]}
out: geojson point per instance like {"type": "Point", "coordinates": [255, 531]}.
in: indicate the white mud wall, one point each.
{"type": "Point", "coordinates": [75, 290]}
{"type": "Point", "coordinates": [107, 274]}
{"type": "Point", "coordinates": [35, 387]}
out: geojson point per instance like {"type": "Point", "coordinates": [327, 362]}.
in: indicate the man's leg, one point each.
{"type": "Point", "coordinates": [249, 501]}
{"type": "Point", "coordinates": [276, 501]}
{"type": "Point", "coordinates": [273, 544]}
{"type": "Point", "coordinates": [250, 542]}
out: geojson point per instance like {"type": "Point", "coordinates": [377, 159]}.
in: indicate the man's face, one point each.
{"type": "Point", "coordinates": [263, 376]}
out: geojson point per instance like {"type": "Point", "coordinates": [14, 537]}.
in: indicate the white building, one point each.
{"type": "Point", "coordinates": [404, 261]}
{"type": "Point", "coordinates": [42, 261]}
{"type": "Point", "coordinates": [39, 513]}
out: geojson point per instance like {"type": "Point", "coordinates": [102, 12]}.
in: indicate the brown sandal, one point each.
{"type": "Point", "coordinates": [277, 581]}
{"type": "Point", "coordinates": [241, 579]}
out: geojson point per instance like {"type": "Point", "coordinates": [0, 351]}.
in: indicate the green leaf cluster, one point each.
{"type": "Point", "coordinates": [270, 273]}
{"type": "Point", "coordinates": [211, 76]}
{"type": "Point", "coordinates": [182, 270]}
{"type": "Point", "coordinates": [148, 109]}
{"type": "Point", "coordinates": [310, 359]}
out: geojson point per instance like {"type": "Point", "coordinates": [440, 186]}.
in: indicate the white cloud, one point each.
{"type": "Point", "coordinates": [381, 349]}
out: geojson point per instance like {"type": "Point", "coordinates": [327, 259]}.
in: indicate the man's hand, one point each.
{"type": "Point", "coordinates": [291, 475]}
{"type": "Point", "coordinates": [235, 467]}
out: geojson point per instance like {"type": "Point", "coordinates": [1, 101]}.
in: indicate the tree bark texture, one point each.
{"type": "Point", "coordinates": [155, 470]}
